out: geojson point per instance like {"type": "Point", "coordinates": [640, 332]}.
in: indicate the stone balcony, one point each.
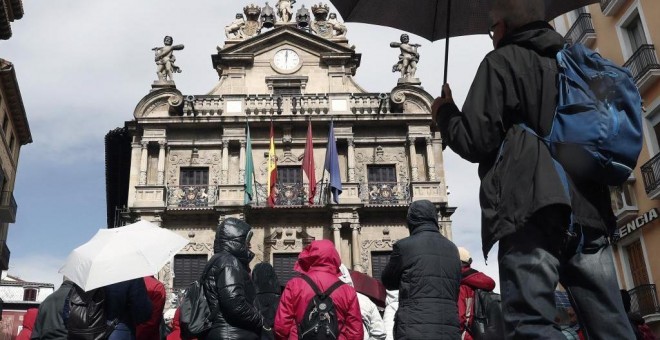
{"type": "Point", "coordinates": [582, 31]}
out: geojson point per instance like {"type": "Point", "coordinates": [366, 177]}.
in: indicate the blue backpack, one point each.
{"type": "Point", "coordinates": [597, 129]}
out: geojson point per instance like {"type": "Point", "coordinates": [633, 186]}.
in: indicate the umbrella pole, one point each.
{"type": "Point", "coordinates": [447, 42]}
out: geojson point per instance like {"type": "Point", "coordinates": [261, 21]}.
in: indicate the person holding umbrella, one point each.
{"type": "Point", "coordinates": [522, 197]}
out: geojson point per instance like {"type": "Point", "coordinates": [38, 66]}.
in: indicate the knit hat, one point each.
{"type": "Point", "coordinates": [464, 254]}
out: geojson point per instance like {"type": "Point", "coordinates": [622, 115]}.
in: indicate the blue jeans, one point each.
{"type": "Point", "coordinates": [122, 332]}
{"type": "Point", "coordinates": [538, 256]}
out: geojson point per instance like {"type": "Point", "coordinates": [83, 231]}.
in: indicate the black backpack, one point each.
{"type": "Point", "coordinates": [84, 315]}
{"type": "Point", "coordinates": [488, 322]}
{"type": "Point", "coordinates": [320, 318]}
{"type": "Point", "coordinates": [194, 319]}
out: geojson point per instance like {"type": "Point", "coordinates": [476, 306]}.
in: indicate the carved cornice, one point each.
{"type": "Point", "coordinates": [167, 99]}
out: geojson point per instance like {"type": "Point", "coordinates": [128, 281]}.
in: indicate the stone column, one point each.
{"type": "Point", "coordinates": [241, 164]}
{"type": "Point", "coordinates": [413, 159]}
{"type": "Point", "coordinates": [355, 252]}
{"type": "Point", "coordinates": [430, 159]}
{"type": "Point", "coordinates": [143, 164]}
{"type": "Point", "coordinates": [161, 163]}
{"type": "Point", "coordinates": [337, 236]}
{"type": "Point", "coordinates": [351, 160]}
{"type": "Point", "coordinates": [225, 162]}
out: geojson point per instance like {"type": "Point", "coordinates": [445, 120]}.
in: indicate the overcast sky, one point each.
{"type": "Point", "coordinates": [82, 67]}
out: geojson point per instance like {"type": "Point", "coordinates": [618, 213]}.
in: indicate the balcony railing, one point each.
{"type": "Point", "coordinates": [609, 7]}
{"type": "Point", "coordinates": [8, 207]}
{"type": "Point", "coordinates": [4, 256]}
{"type": "Point", "coordinates": [191, 196]}
{"type": "Point", "coordinates": [651, 176]}
{"type": "Point", "coordinates": [642, 62]}
{"type": "Point", "coordinates": [385, 193]}
{"type": "Point", "coordinates": [290, 194]}
{"type": "Point", "coordinates": [582, 30]}
{"type": "Point", "coordinates": [644, 300]}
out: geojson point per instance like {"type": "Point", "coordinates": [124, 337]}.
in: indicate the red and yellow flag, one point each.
{"type": "Point", "coordinates": [272, 169]}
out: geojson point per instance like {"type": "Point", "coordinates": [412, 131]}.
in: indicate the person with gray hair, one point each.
{"type": "Point", "coordinates": [524, 205]}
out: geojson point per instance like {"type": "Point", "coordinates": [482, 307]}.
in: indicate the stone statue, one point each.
{"type": "Point", "coordinates": [339, 29]}
{"type": "Point", "coordinates": [321, 26]}
{"type": "Point", "coordinates": [285, 9]}
{"type": "Point", "coordinates": [165, 59]}
{"type": "Point", "coordinates": [235, 29]}
{"type": "Point", "coordinates": [408, 58]}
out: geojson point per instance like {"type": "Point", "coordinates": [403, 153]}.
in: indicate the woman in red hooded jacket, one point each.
{"type": "Point", "coordinates": [320, 261]}
{"type": "Point", "coordinates": [471, 279]}
{"type": "Point", "coordinates": [28, 324]}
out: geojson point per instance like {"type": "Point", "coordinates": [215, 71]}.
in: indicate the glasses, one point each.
{"type": "Point", "coordinates": [491, 30]}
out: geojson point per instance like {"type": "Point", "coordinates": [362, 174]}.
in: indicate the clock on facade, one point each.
{"type": "Point", "coordinates": [286, 60]}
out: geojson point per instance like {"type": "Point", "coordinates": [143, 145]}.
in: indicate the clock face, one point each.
{"type": "Point", "coordinates": [286, 59]}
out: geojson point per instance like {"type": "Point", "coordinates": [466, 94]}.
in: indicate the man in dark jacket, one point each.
{"type": "Point", "coordinates": [128, 303]}
{"type": "Point", "coordinates": [49, 324]}
{"type": "Point", "coordinates": [426, 270]}
{"type": "Point", "coordinates": [522, 198]}
{"type": "Point", "coordinates": [229, 290]}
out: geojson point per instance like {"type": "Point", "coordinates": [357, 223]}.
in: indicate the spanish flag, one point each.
{"type": "Point", "coordinates": [272, 169]}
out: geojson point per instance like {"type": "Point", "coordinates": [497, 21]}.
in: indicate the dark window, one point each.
{"type": "Point", "coordinates": [194, 176]}
{"type": "Point", "coordinates": [289, 174]}
{"type": "Point", "coordinates": [379, 260]}
{"type": "Point", "coordinates": [286, 91]}
{"type": "Point", "coordinates": [636, 33]}
{"type": "Point", "coordinates": [283, 265]}
{"type": "Point", "coordinates": [29, 294]}
{"type": "Point", "coordinates": [382, 173]}
{"type": "Point", "coordinates": [187, 268]}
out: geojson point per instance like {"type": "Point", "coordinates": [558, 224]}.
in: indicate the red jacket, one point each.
{"type": "Point", "coordinates": [471, 280]}
{"type": "Point", "coordinates": [28, 324]}
{"type": "Point", "coordinates": [150, 330]}
{"type": "Point", "coordinates": [320, 261]}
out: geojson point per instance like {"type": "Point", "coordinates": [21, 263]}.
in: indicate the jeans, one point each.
{"type": "Point", "coordinates": [538, 256]}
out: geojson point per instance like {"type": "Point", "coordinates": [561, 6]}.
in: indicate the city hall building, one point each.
{"type": "Point", "coordinates": [180, 161]}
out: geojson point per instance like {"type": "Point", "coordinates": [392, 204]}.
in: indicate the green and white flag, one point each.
{"type": "Point", "coordinates": [249, 168]}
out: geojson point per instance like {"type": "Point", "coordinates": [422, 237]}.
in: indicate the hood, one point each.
{"type": "Point", "coordinates": [422, 216]}
{"type": "Point", "coordinates": [320, 255]}
{"type": "Point", "coordinates": [265, 278]}
{"type": "Point", "coordinates": [345, 276]}
{"type": "Point", "coordinates": [476, 279]}
{"type": "Point", "coordinates": [232, 236]}
{"type": "Point", "coordinates": [538, 36]}
{"type": "Point", "coordinates": [29, 318]}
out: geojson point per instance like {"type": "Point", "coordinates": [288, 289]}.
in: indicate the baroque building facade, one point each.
{"type": "Point", "coordinates": [180, 162]}
{"type": "Point", "coordinates": [624, 31]}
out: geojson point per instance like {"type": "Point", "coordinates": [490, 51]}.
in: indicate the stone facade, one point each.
{"type": "Point", "coordinates": [174, 134]}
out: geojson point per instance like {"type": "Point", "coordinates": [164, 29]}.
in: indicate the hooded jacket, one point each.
{"type": "Point", "coordinates": [227, 285]}
{"type": "Point", "coordinates": [320, 261]}
{"type": "Point", "coordinates": [517, 83]}
{"type": "Point", "coordinates": [268, 291]}
{"type": "Point", "coordinates": [426, 270]}
{"type": "Point", "coordinates": [49, 324]}
{"type": "Point", "coordinates": [471, 279]}
{"type": "Point", "coordinates": [150, 330]}
{"type": "Point", "coordinates": [29, 319]}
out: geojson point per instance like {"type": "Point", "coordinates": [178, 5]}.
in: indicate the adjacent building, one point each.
{"type": "Point", "coordinates": [18, 296]}
{"type": "Point", "coordinates": [181, 162]}
{"type": "Point", "coordinates": [625, 31]}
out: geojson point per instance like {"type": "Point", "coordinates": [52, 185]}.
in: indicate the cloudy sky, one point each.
{"type": "Point", "coordinates": [83, 66]}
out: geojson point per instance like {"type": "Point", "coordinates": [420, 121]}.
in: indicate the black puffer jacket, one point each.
{"type": "Point", "coordinates": [229, 290]}
{"type": "Point", "coordinates": [426, 270]}
{"type": "Point", "coordinates": [268, 291]}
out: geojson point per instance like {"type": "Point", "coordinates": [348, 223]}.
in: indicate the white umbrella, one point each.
{"type": "Point", "coordinates": [119, 254]}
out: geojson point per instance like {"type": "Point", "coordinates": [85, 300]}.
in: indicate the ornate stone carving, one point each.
{"type": "Point", "coordinates": [288, 239]}
{"type": "Point", "coordinates": [234, 30]}
{"type": "Point", "coordinates": [408, 59]}
{"type": "Point", "coordinates": [320, 25]}
{"type": "Point", "coordinates": [178, 159]}
{"type": "Point", "coordinates": [338, 28]}
{"type": "Point", "coordinates": [368, 246]}
{"type": "Point", "coordinates": [194, 247]}
{"type": "Point", "coordinates": [252, 25]}
{"type": "Point", "coordinates": [381, 157]}
{"type": "Point", "coordinates": [165, 60]}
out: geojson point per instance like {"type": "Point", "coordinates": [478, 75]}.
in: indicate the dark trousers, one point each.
{"type": "Point", "coordinates": [538, 256]}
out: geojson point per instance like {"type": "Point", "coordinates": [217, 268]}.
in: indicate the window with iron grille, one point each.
{"type": "Point", "coordinates": [379, 260]}
{"type": "Point", "coordinates": [289, 174]}
{"type": "Point", "coordinates": [30, 294]}
{"type": "Point", "coordinates": [381, 173]}
{"type": "Point", "coordinates": [283, 265]}
{"type": "Point", "coordinates": [194, 176]}
{"type": "Point", "coordinates": [286, 91]}
{"type": "Point", "coordinates": [188, 268]}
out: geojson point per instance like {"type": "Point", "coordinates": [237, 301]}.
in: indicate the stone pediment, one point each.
{"type": "Point", "coordinates": [160, 103]}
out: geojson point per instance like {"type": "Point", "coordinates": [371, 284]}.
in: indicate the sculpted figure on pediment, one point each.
{"type": "Point", "coordinates": [285, 10]}
{"type": "Point", "coordinates": [165, 59]}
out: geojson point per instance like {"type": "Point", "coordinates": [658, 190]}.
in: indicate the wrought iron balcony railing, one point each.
{"type": "Point", "coordinates": [581, 29]}
{"type": "Point", "coordinates": [291, 194]}
{"type": "Point", "coordinates": [642, 61]}
{"type": "Point", "coordinates": [644, 300]}
{"type": "Point", "coordinates": [651, 176]}
{"type": "Point", "coordinates": [191, 196]}
{"type": "Point", "coordinates": [385, 193]}
{"type": "Point", "coordinates": [8, 207]}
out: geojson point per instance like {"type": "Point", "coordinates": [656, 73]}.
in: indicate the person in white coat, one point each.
{"type": "Point", "coordinates": [372, 323]}
{"type": "Point", "coordinates": [391, 305]}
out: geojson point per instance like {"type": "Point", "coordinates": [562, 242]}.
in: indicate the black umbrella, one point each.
{"type": "Point", "coordinates": [436, 19]}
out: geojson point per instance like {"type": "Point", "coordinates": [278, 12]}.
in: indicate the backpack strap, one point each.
{"type": "Point", "coordinates": [316, 289]}
{"type": "Point", "coordinates": [333, 287]}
